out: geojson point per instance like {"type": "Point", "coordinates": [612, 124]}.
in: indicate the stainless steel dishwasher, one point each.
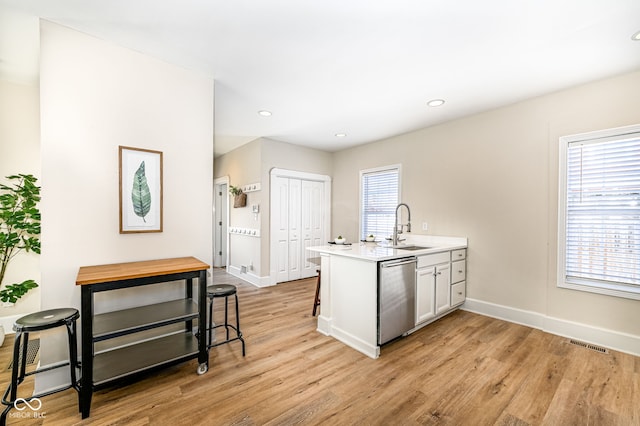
{"type": "Point", "coordinates": [396, 298]}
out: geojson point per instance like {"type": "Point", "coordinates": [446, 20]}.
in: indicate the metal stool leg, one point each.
{"type": "Point", "coordinates": [211, 299]}
{"type": "Point", "coordinates": [23, 364]}
{"type": "Point", "coordinates": [238, 332]}
{"type": "Point", "coordinates": [73, 357]}
{"type": "Point", "coordinates": [226, 315]}
{"type": "Point", "coordinates": [16, 372]}
{"type": "Point", "coordinates": [316, 299]}
{"type": "Point", "coordinates": [17, 375]}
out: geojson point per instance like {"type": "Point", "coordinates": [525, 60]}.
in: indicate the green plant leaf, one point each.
{"type": "Point", "coordinates": [19, 228]}
{"type": "Point", "coordinates": [140, 193]}
{"type": "Point", "coordinates": [13, 292]}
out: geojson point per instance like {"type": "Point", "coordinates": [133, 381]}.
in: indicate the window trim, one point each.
{"type": "Point", "coordinates": [397, 167]}
{"type": "Point", "coordinates": [602, 287]}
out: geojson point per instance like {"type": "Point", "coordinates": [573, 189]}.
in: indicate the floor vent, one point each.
{"type": "Point", "coordinates": [32, 352]}
{"type": "Point", "coordinates": [589, 346]}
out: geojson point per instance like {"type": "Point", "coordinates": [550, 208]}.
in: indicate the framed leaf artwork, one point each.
{"type": "Point", "coordinates": [140, 190]}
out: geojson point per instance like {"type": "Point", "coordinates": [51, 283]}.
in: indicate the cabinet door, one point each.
{"type": "Point", "coordinates": [425, 294]}
{"type": "Point", "coordinates": [443, 293]}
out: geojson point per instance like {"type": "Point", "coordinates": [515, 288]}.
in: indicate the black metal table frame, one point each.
{"type": "Point", "coordinates": [87, 292]}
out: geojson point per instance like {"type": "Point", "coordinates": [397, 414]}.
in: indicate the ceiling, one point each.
{"type": "Point", "coordinates": [365, 68]}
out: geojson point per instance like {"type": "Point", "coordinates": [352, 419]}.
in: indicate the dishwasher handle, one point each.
{"type": "Point", "coordinates": [392, 263]}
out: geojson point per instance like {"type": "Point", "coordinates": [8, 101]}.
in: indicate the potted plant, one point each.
{"type": "Point", "coordinates": [340, 240]}
{"type": "Point", "coordinates": [239, 197]}
{"type": "Point", "coordinates": [19, 229]}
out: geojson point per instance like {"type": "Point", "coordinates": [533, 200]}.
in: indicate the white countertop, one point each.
{"type": "Point", "coordinates": [377, 251]}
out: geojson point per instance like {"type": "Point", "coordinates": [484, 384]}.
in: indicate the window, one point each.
{"type": "Point", "coordinates": [599, 212]}
{"type": "Point", "coordinates": [379, 195]}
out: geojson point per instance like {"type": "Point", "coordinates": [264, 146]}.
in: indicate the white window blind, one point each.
{"type": "Point", "coordinates": [379, 198]}
{"type": "Point", "coordinates": [602, 217]}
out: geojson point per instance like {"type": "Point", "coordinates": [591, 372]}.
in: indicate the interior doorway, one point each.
{"type": "Point", "coordinates": [221, 222]}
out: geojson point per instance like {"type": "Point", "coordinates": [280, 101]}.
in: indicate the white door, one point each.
{"type": "Point", "coordinates": [280, 226]}
{"type": "Point", "coordinates": [299, 202]}
{"type": "Point", "coordinates": [295, 215]}
{"type": "Point", "coordinates": [312, 211]}
{"type": "Point", "coordinates": [220, 241]}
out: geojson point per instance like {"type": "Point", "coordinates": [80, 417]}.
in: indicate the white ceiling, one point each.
{"type": "Point", "coordinates": [362, 67]}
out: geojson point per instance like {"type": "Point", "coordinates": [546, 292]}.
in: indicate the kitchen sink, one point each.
{"type": "Point", "coordinates": [408, 247]}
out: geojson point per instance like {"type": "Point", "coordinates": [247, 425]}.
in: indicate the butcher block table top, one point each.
{"type": "Point", "coordinates": [129, 270]}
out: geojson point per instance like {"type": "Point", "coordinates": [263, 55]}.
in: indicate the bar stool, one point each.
{"type": "Point", "coordinates": [39, 321]}
{"type": "Point", "coordinates": [224, 290]}
{"type": "Point", "coordinates": [316, 301]}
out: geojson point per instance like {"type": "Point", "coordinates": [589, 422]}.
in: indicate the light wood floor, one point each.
{"type": "Point", "coordinates": [465, 369]}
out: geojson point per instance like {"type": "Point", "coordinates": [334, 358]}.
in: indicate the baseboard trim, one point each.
{"type": "Point", "coordinates": [249, 277]}
{"type": "Point", "coordinates": [355, 343]}
{"type": "Point", "coordinates": [622, 342]}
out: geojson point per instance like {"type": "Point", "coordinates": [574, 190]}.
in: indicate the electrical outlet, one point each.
{"type": "Point", "coordinates": [425, 226]}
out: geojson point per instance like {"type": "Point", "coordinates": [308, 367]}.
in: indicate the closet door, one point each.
{"type": "Point", "coordinates": [280, 226]}
{"type": "Point", "coordinates": [297, 222]}
{"type": "Point", "coordinates": [295, 244]}
{"type": "Point", "coordinates": [312, 215]}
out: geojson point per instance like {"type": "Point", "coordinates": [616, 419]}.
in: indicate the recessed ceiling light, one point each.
{"type": "Point", "coordinates": [341, 135]}
{"type": "Point", "coordinates": [636, 36]}
{"type": "Point", "coordinates": [264, 113]}
{"type": "Point", "coordinates": [435, 102]}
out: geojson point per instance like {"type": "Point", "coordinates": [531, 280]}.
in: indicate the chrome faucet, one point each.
{"type": "Point", "coordinates": [397, 227]}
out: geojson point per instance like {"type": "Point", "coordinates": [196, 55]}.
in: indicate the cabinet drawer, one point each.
{"type": "Point", "coordinates": [458, 271]}
{"type": "Point", "coordinates": [458, 293]}
{"type": "Point", "coordinates": [433, 259]}
{"type": "Point", "coordinates": [458, 254]}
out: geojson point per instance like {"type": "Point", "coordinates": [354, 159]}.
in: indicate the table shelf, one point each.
{"type": "Point", "coordinates": [118, 363]}
{"type": "Point", "coordinates": [127, 321]}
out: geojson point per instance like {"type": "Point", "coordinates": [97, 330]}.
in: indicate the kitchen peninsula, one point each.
{"type": "Point", "coordinates": [351, 286]}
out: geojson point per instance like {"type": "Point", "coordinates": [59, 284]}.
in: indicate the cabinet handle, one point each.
{"type": "Point", "coordinates": [460, 271]}
{"type": "Point", "coordinates": [460, 293]}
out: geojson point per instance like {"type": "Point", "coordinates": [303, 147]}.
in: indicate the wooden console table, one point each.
{"type": "Point", "coordinates": [99, 370]}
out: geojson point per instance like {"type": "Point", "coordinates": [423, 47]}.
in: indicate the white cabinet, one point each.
{"type": "Point", "coordinates": [443, 293]}
{"type": "Point", "coordinates": [425, 294]}
{"type": "Point", "coordinates": [440, 284]}
{"type": "Point", "coordinates": [432, 286]}
{"type": "Point", "coordinates": [458, 277]}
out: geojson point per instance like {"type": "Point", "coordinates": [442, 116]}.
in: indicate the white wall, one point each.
{"type": "Point", "coordinates": [492, 178]}
{"type": "Point", "coordinates": [96, 96]}
{"type": "Point", "coordinates": [20, 153]}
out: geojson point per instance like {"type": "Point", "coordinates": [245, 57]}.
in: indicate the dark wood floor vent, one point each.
{"type": "Point", "coordinates": [589, 346]}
